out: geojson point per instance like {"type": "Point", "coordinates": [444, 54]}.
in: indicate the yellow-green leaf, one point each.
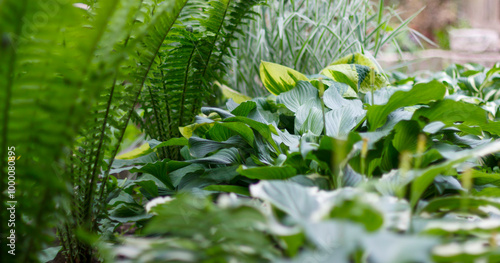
{"type": "Point", "coordinates": [137, 152]}
{"type": "Point", "coordinates": [277, 78]}
{"type": "Point", "coordinates": [356, 74]}
{"type": "Point", "coordinates": [356, 58]}
{"type": "Point", "coordinates": [233, 94]}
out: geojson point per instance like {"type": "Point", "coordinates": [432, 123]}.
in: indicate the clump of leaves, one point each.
{"type": "Point", "coordinates": [396, 164]}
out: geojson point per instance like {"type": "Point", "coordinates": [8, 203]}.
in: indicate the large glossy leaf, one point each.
{"type": "Point", "coordinates": [425, 177]}
{"type": "Point", "coordinates": [267, 172]}
{"type": "Point", "coordinates": [297, 96]}
{"type": "Point", "coordinates": [402, 249]}
{"type": "Point", "coordinates": [264, 130]}
{"type": "Point", "coordinates": [301, 203]}
{"type": "Point", "coordinates": [406, 136]}
{"type": "Point", "coordinates": [241, 190]}
{"type": "Point", "coordinates": [420, 94]}
{"type": "Point", "coordinates": [159, 170]}
{"type": "Point", "coordinates": [356, 58]}
{"type": "Point", "coordinates": [356, 74]}
{"type": "Point", "coordinates": [200, 147]}
{"type": "Point", "coordinates": [457, 203]}
{"type": "Point", "coordinates": [224, 156]}
{"type": "Point", "coordinates": [334, 100]}
{"type": "Point", "coordinates": [277, 78]}
{"type": "Point", "coordinates": [459, 114]}
{"type": "Point", "coordinates": [340, 121]}
{"type": "Point", "coordinates": [309, 117]}
{"type": "Point", "coordinates": [233, 94]}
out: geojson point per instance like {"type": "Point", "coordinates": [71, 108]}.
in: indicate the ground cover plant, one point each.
{"type": "Point", "coordinates": [343, 163]}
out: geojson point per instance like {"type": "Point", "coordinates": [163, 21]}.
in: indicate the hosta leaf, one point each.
{"type": "Point", "coordinates": [420, 94]}
{"type": "Point", "coordinates": [426, 177]}
{"type": "Point", "coordinates": [267, 172]}
{"type": "Point", "coordinates": [297, 96]}
{"type": "Point", "coordinates": [124, 213]}
{"type": "Point", "coordinates": [334, 100]}
{"type": "Point", "coordinates": [148, 158]}
{"type": "Point", "coordinates": [233, 94]}
{"type": "Point", "coordinates": [187, 131]}
{"type": "Point", "coordinates": [241, 190]}
{"type": "Point", "coordinates": [459, 114]}
{"type": "Point", "coordinates": [340, 121]}
{"type": "Point", "coordinates": [222, 113]}
{"type": "Point", "coordinates": [172, 142]}
{"type": "Point", "coordinates": [199, 147]}
{"type": "Point", "coordinates": [135, 153]}
{"type": "Point", "coordinates": [403, 248]}
{"type": "Point", "coordinates": [356, 58]}
{"type": "Point", "coordinates": [264, 130]}
{"type": "Point", "coordinates": [224, 156]}
{"type": "Point", "coordinates": [456, 203]}
{"type": "Point", "coordinates": [301, 203]}
{"type": "Point", "coordinates": [244, 131]}
{"type": "Point", "coordinates": [309, 117]}
{"type": "Point", "coordinates": [244, 108]}
{"type": "Point", "coordinates": [331, 234]}
{"type": "Point", "coordinates": [277, 78]}
{"type": "Point", "coordinates": [357, 74]}
{"type": "Point", "coordinates": [159, 170]}
{"type": "Point", "coordinates": [148, 188]}
{"type": "Point", "coordinates": [406, 136]}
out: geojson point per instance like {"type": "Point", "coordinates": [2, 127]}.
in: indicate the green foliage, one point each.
{"type": "Point", "coordinates": [308, 35]}
{"type": "Point", "coordinates": [190, 60]}
{"type": "Point", "coordinates": [394, 168]}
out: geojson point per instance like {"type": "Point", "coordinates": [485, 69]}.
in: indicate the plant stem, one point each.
{"type": "Point", "coordinates": [379, 20]}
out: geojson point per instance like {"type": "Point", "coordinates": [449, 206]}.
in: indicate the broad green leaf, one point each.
{"type": "Point", "coordinates": [420, 94]}
{"type": "Point", "coordinates": [267, 172]}
{"type": "Point", "coordinates": [300, 202]}
{"type": "Point", "coordinates": [358, 75]}
{"type": "Point", "coordinates": [148, 148]}
{"type": "Point", "coordinates": [199, 147]}
{"type": "Point", "coordinates": [406, 136]}
{"type": "Point", "coordinates": [224, 156]}
{"type": "Point", "coordinates": [297, 96]}
{"type": "Point", "coordinates": [244, 131]}
{"type": "Point", "coordinates": [159, 170]}
{"type": "Point", "coordinates": [456, 203]}
{"type": "Point", "coordinates": [356, 58]}
{"type": "Point", "coordinates": [233, 94]}
{"type": "Point", "coordinates": [264, 130]}
{"type": "Point", "coordinates": [187, 131]}
{"type": "Point", "coordinates": [425, 177]}
{"type": "Point", "coordinates": [277, 78]}
{"type": "Point", "coordinates": [241, 190]}
{"type": "Point", "coordinates": [309, 117]}
{"type": "Point", "coordinates": [459, 114]}
{"type": "Point", "coordinates": [334, 100]}
{"type": "Point", "coordinates": [339, 122]}
{"type": "Point", "coordinates": [148, 188]}
{"type": "Point", "coordinates": [135, 153]}
{"type": "Point", "coordinates": [244, 108]}
{"type": "Point", "coordinates": [172, 142]}
{"type": "Point", "coordinates": [148, 158]}
{"type": "Point", "coordinates": [403, 248]}
{"type": "Point", "coordinates": [125, 213]}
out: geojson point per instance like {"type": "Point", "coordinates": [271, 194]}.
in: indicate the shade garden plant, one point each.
{"type": "Point", "coordinates": [123, 153]}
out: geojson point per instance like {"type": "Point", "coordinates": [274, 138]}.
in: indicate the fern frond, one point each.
{"type": "Point", "coordinates": [191, 60]}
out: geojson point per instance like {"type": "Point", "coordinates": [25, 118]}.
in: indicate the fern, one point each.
{"type": "Point", "coordinates": [51, 78]}
{"type": "Point", "coordinates": [65, 75]}
{"type": "Point", "coordinates": [192, 58]}
{"type": "Point", "coordinates": [111, 114]}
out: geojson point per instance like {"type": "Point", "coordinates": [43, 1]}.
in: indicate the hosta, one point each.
{"type": "Point", "coordinates": [343, 168]}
